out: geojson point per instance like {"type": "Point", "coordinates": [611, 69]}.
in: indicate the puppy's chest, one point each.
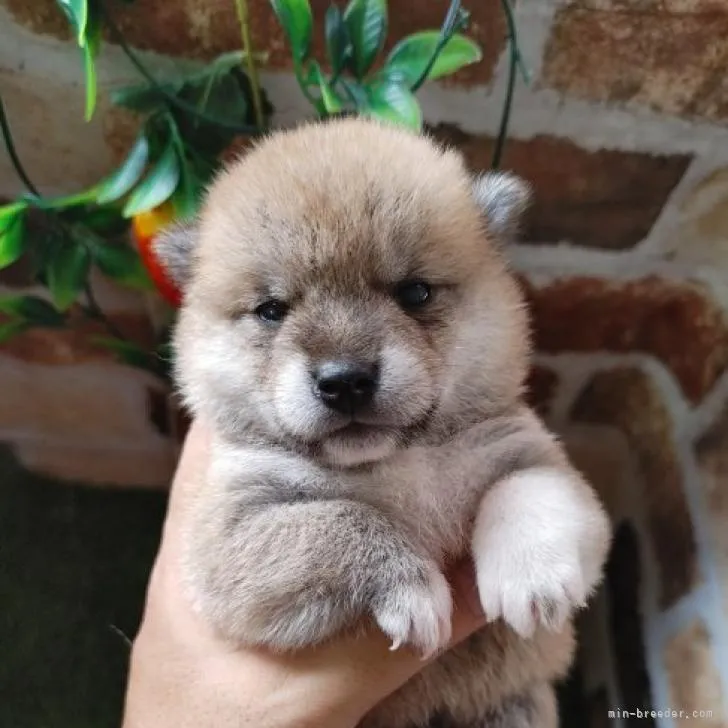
{"type": "Point", "coordinates": [427, 492]}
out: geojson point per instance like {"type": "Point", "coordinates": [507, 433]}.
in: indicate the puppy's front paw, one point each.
{"type": "Point", "coordinates": [527, 585]}
{"type": "Point", "coordinates": [532, 552]}
{"type": "Point", "coordinates": [416, 611]}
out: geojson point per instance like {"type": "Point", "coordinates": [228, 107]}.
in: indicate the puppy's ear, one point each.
{"type": "Point", "coordinates": [503, 198]}
{"type": "Point", "coordinates": [174, 247]}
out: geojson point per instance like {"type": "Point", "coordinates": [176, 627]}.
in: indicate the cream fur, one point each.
{"type": "Point", "coordinates": [537, 549]}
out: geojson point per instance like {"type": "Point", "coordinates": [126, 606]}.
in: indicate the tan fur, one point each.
{"type": "Point", "coordinates": [304, 529]}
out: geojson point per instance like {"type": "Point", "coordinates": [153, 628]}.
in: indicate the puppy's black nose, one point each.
{"type": "Point", "coordinates": [346, 386]}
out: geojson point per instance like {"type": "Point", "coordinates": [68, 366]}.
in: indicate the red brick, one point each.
{"type": "Point", "coordinates": [670, 56]}
{"type": "Point", "coordinates": [601, 199]}
{"type": "Point", "coordinates": [677, 323]}
{"type": "Point", "coordinates": [40, 16]}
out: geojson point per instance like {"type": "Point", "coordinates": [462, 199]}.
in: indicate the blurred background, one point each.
{"type": "Point", "coordinates": [116, 114]}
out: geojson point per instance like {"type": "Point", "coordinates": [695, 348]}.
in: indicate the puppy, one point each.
{"type": "Point", "coordinates": [351, 329]}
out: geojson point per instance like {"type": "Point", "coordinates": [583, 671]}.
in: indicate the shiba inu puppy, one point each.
{"type": "Point", "coordinates": [350, 328]}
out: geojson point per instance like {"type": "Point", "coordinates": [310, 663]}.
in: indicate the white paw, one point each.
{"type": "Point", "coordinates": [526, 587]}
{"type": "Point", "coordinates": [531, 546]}
{"type": "Point", "coordinates": [418, 614]}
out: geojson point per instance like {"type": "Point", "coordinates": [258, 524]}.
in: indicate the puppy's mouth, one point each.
{"type": "Point", "coordinates": [357, 429]}
{"type": "Point", "coordinates": [356, 443]}
{"type": "Point", "coordinates": [361, 428]}
{"type": "Point", "coordinates": [353, 442]}
{"type": "Point", "coordinates": [364, 427]}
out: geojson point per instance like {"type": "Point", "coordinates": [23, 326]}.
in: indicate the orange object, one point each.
{"type": "Point", "coordinates": [145, 227]}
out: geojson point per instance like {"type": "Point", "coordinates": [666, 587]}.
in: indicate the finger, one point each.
{"type": "Point", "coordinates": [468, 616]}
{"type": "Point", "coordinates": [192, 463]}
{"type": "Point", "coordinates": [377, 671]}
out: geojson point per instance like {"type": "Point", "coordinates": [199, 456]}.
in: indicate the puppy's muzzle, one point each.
{"type": "Point", "coordinates": [346, 386]}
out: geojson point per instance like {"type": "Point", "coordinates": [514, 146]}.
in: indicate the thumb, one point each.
{"type": "Point", "coordinates": [383, 671]}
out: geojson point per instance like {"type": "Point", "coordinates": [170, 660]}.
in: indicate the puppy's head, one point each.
{"type": "Point", "coordinates": [343, 290]}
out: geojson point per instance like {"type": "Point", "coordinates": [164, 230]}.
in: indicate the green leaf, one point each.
{"type": "Point", "coordinates": [188, 195]}
{"type": "Point", "coordinates": [102, 220]}
{"type": "Point", "coordinates": [32, 309]}
{"type": "Point", "coordinates": [77, 199]}
{"type": "Point", "coordinates": [409, 58]}
{"type": "Point", "coordinates": [90, 51]}
{"type": "Point", "coordinates": [338, 46]}
{"type": "Point", "coordinates": [331, 102]}
{"type": "Point", "coordinates": [220, 98]}
{"type": "Point", "coordinates": [67, 272]}
{"type": "Point", "coordinates": [77, 13]}
{"type": "Point", "coordinates": [395, 103]}
{"type": "Point", "coordinates": [9, 210]}
{"type": "Point", "coordinates": [157, 186]}
{"type": "Point", "coordinates": [186, 198]}
{"type": "Point", "coordinates": [12, 238]}
{"type": "Point", "coordinates": [106, 221]}
{"type": "Point", "coordinates": [144, 98]}
{"type": "Point", "coordinates": [297, 20]}
{"type": "Point", "coordinates": [12, 328]}
{"type": "Point", "coordinates": [87, 27]}
{"type": "Point", "coordinates": [357, 94]}
{"type": "Point", "coordinates": [225, 62]}
{"type": "Point", "coordinates": [119, 183]}
{"type": "Point", "coordinates": [121, 263]}
{"type": "Point", "coordinates": [366, 22]}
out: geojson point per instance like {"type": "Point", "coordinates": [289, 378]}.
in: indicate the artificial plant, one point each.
{"type": "Point", "coordinates": [186, 122]}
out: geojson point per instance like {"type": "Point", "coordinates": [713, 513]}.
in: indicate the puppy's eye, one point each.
{"type": "Point", "coordinates": [272, 312]}
{"type": "Point", "coordinates": [413, 294]}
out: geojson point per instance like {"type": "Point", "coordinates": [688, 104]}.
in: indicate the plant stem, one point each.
{"type": "Point", "coordinates": [243, 17]}
{"type": "Point", "coordinates": [450, 25]}
{"type": "Point", "coordinates": [171, 98]}
{"type": "Point", "coordinates": [94, 310]}
{"type": "Point", "coordinates": [513, 37]}
{"type": "Point", "coordinates": [508, 101]}
{"type": "Point", "coordinates": [12, 152]}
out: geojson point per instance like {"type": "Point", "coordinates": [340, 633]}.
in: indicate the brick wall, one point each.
{"type": "Point", "coordinates": [625, 262]}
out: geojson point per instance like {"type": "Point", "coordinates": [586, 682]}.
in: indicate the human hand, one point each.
{"type": "Point", "coordinates": [182, 675]}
